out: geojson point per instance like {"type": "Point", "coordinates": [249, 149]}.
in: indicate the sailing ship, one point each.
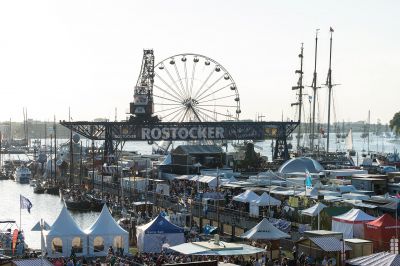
{"type": "Point", "coordinates": [349, 144]}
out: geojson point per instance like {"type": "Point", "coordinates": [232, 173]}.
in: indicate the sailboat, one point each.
{"type": "Point", "coordinates": [349, 143]}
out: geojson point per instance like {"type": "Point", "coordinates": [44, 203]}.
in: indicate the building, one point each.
{"type": "Point", "coordinates": [187, 159]}
{"type": "Point", "coordinates": [377, 185]}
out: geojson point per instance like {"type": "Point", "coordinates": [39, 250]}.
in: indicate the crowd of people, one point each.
{"type": "Point", "coordinates": [6, 242]}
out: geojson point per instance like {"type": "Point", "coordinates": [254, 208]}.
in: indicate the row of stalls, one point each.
{"type": "Point", "coordinates": [355, 231]}
{"type": "Point", "coordinates": [65, 237]}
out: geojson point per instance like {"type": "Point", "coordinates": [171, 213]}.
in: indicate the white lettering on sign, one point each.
{"type": "Point", "coordinates": [182, 133]}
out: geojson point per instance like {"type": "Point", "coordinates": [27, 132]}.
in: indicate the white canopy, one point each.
{"type": "Point", "coordinates": [314, 210]}
{"type": "Point", "coordinates": [106, 232]}
{"type": "Point", "coordinates": [247, 196]}
{"type": "Point", "coordinates": [264, 230]}
{"type": "Point", "coordinates": [351, 223]}
{"type": "Point", "coordinates": [195, 178]}
{"type": "Point", "coordinates": [266, 200]}
{"type": "Point", "coordinates": [211, 181]}
{"type": "Point", "coordinates": [64, 235]}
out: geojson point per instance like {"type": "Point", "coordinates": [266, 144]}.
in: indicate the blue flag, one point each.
{"type": "Point", "coordinates": [25, 203]}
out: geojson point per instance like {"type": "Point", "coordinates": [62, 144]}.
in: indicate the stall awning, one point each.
{"type": "Point", "coordinates": [376, 259]}
{"type": "Point", "coordinates": [225, 249]}
{"type": "Point", "coordinates": [329, 244]}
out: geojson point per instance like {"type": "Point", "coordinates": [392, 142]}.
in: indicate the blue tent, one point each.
{"type": "Point", "coordinates": [152, 236]}
{"type": "Point", "coordinates": [160, 225]}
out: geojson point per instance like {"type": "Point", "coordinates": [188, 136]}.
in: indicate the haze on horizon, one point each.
{"type": "Point", "coordinates": [87, 55]}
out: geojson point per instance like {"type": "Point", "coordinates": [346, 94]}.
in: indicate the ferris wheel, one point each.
{"type": "Point", "coordinates": [193, 87]}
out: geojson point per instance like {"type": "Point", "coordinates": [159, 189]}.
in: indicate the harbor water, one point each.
{"type": "Point", "coordinates": [45, 206]}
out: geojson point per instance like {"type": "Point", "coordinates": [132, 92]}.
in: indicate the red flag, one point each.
{"type": "Point", "coordinates": [14, 240]}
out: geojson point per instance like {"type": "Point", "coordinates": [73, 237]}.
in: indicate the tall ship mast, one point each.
{"type": "Point", "coordinates": [314, 87]}
{"type": "Point", "coordinates": [330, 86]}
{"type": "Point", "coordinates": [300, 88]}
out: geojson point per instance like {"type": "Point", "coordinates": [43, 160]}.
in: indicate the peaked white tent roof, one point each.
{"type": "Point", "coordinates": [314, 210]}
{"type": "Point", "coordinates": [264, 230]}
{"type": "Point", "coordinates": [266, 200]}
{"type": "Point", "coordinates": [105, 225]}
{"type": "Point", "coordinates": [38, 227]}
{"type": "Point", "coordinates": [351, 223]}
{"type": "Point", "coordinates": [247, 196]}
{"type": "Point", "coordinates": [65, 225]}
{"type": "Point", "coordinates": [354, 215]}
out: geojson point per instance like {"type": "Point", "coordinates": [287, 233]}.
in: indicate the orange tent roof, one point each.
{"type": "Point", "coordinates": [384, 220]}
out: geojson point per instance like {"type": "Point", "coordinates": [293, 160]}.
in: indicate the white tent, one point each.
{"type": "Point", "coordinates": [263, 200]}
{"type": "Point", "coordinates": [264, 230]}
{"type": "Point", "coordinates": [267, 200]}
{"type": "Point", "coordinates": [152, 236]}
{"type": "Point", "coordinates": [64, 236]}
{"type": "Point", "coordinates": [247, 196]}
{"type": "Point", "coordinates": [106, 232]}
{"type": "Point", "coordinates": [195, 178]}
{"type": "Point", "coordinates": [211, 181]}
{"type": "Point", "coordinates": [314, 211]}
{"type": "Point", "coordinates": [351, 223]}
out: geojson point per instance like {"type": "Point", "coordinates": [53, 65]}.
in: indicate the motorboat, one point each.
{"type": "Point", "coordinates": [3, 174]}
{"type": "Point", "coordinates": [22, 175]}
{"type": "Point", "coordinates": [38, 189]}
{"type": "Point", "coordinates": [33, 182]}
{"type": "Point", "coordinates": [52, 190]}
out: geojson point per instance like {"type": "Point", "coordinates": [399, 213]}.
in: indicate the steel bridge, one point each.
{"type": "Point", "coordinates": [116, 133]}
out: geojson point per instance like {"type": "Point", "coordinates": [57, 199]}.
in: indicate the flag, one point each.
{"type": "Point", "coordinates": [308, 179]}
{"type": "Point", "coordinates": [25, 203]}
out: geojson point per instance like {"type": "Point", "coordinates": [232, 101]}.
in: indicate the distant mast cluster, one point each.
{"type": "Point", "coordinates": [314, 87]}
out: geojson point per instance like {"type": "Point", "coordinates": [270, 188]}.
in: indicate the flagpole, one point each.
{"type": "Point", "coordinates": [20, 224]}
{"type": "Point", "coordinates": [41, 241]}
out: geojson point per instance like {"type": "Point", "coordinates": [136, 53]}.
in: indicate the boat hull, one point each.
{"type": "Point", "coordinates": [78, 205]}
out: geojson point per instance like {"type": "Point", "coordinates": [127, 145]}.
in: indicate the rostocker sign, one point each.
{"type": "Point", "coordinates": [185, 132]}
{"type": "Point", "coordinates": [182, 133]}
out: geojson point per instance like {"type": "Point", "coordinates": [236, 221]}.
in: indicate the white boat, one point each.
{"type": "Point", "coordinates": [22, 175]}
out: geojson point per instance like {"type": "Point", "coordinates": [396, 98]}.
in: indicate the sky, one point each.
{"type": "Point", "coordinates": [86, 55]}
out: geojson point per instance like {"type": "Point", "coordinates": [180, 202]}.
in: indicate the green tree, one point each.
{"type": "Point", "coordinates": [395, 123]}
